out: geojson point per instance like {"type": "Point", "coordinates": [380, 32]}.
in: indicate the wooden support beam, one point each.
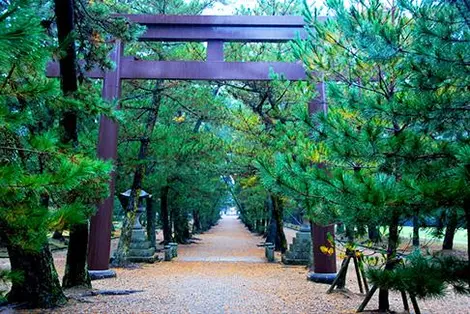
{"type": "Point", "coordinates": [132, 69]}
{"type": "Point", "coordinates": [215, 50]}
{"type": "Point", "coordinates": [227, 28]}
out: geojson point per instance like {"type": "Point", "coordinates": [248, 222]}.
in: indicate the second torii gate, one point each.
{"type": "Point", "coordinates": [215, 30]}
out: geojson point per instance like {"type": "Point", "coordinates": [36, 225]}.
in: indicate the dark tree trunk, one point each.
{"type": "Point", "coordinates": [76, 269]}
{"type": "Point", "coordinates": [65, 19]}
{"type": "Point", "coordinates": [451, 227]}
{"type": "Point", "coordinates": [181, 226]}
{"type": "Point", "coordinates": [361, 230]}
{"type": "Point", "coordinates": [278, 217]}
{"type": "Point", "coordinates": [263, 225]}
{"type": "Point", "coordinates": [384, 304]}
{"type": "Point", "coordinates": [271, 233]}
{"type": "Point", "coordinates": [151, 217]}
{"type": "Point", "coordinates": [350, 233]}
{"type": "Point", "coordinates": [374, 234]}
{"type": "Point", "coordinates": [40, 286]}
{"type": "Point", "coordinates": [165, 215]}
{"type": "Point", "coordinates": [197, 227]}
{"type": "Point", "coordinates": [120, 258]}
{"type": "Point", "coordinates": [416, 231]}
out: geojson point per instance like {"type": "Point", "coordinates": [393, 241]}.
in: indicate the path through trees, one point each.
{"type": "Point", "coordinates": [224, 271]}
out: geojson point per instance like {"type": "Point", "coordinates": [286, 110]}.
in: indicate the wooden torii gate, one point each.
{"type": "Point", "coordinates": [215, 30]}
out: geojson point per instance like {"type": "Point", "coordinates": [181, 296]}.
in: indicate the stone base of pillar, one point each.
{"type": "Point", "coordinates": [140, 250]}
{"type": "Point", "coordinates": [321, 278]}
{"type": "Point", "coordinates": [101, 274]}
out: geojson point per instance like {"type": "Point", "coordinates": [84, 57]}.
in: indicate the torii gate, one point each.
{"type": "Point", "coordinates": [215, 30]}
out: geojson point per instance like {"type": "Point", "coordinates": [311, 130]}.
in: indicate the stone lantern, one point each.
{"type": "Point", "coordinates": [141, 206]}
{"type": "Point", "coordinates": [140, 249]}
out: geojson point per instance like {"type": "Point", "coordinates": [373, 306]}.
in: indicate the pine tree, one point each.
{"type": "Point", "coordinates": [392, 137]}
{"type": "Point", "coordinates": [42, 186]}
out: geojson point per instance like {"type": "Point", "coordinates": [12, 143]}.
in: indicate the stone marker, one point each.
{"type": "Point", "coordinates": [300, 251]}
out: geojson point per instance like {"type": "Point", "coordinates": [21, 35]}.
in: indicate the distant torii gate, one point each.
{"type": "Point", "coordinates": [215, 30]}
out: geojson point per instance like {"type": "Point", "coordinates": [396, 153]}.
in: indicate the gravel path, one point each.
{"type": "Point", "coordinates": [225, 272]}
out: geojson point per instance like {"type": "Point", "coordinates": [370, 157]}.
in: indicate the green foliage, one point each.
{"type": "Point", "coordinates": [395, 140]}
{"type": "Point", "coordinates": [423, 276]}
{"type": "Point", "coordinates": [43, 185]}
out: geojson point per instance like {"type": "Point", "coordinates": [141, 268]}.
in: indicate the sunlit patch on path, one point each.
{"type": "Point", "coordinates": [229, 241]}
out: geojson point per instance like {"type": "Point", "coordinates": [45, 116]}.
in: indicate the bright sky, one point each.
{"type": "Point", "coordinates": [220, 9]}
{"type": "Point", "coordinates": [229, 9]}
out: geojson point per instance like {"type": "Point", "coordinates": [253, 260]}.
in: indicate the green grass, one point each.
{"type": "Point", "coordinates": [425, 234]}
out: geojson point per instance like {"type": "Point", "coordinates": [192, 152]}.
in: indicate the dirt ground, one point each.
{"type": "Point", "coordinates": [226, 272]}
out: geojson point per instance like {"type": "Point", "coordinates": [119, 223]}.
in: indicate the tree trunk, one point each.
{"type": "Point", "coordinates": [151, 217]}
{"type": "Point", "coordinates": [350, 233]}
{"type": "Point", "coordinates": [271, 233]}
{"type": "Point", "coordinates": [120, 258]}
{"type": "Point", "coordinates": [278, 217]}
{"type": "Point", "coordinates": [165, 215]}
{"type": "Point", "coordinates": [416, 231]}
{"type": "Point", "coordinates": [384, 304]}
{"type": "Point", "coordinates": [373, 232]}
{"type": "Point", "coordinates": [181, 226]}
{"type": "Point", "coordinates": [197, 227]}
{"type": "Point", "coordinates": [76, 269]}
{"type": "Point", "coordinates": [39, 286]}
{"type": "Point", "coordinates": [451, 227]}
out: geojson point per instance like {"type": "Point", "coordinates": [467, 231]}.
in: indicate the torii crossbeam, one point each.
{"type": "Point", "coordinates": [215, 30]}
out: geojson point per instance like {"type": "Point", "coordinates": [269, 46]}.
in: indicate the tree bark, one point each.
{"type": "Point", "coordinates": [384, 304]}
{"type": "Point", "coordinates": [373, 232]}
{"type": "Point", "coordinates": [271, 234]}
{"type": "Point", "coordinates": [76, 269]}
{"type": "Point", "coordinates": [278, 217]}
{"type": "Point", "coordinates": [165, 215]}
{"type": "Point", "coordinates": [350, 233]}
{"type": "Point", "coordinates": [181, 226]}
{"type": "Point", "coordinates": [416, 231]}
{"type": "Point", "coordinates": [120, 258]}
{"type": "Point", "coordinates": [451, 227]}
{"type": "Point", "coordinates": [151, 225]}
{"type": "Point", "coordinates": [197, 227]}
{"type": "Point", "coordinates": [39, 286]}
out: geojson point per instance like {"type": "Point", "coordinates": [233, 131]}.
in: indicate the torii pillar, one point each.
{"type": "Point", "coordinates": [324, 266]}
{"type": "Point", "coordinates": [99, 247]}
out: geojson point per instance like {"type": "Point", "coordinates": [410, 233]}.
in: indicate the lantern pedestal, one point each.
{"type": "Point", "coordinates": [140, 249]}
{"type": "Point", "coordinates": [300, 251]}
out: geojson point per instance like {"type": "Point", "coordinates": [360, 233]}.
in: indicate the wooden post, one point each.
{"type": "Point", "coordinates": [215, 50]}
{"type": "Point", "coordinates": [322, 263]}
{"type": "Point", "coordinates": [100, 227]}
